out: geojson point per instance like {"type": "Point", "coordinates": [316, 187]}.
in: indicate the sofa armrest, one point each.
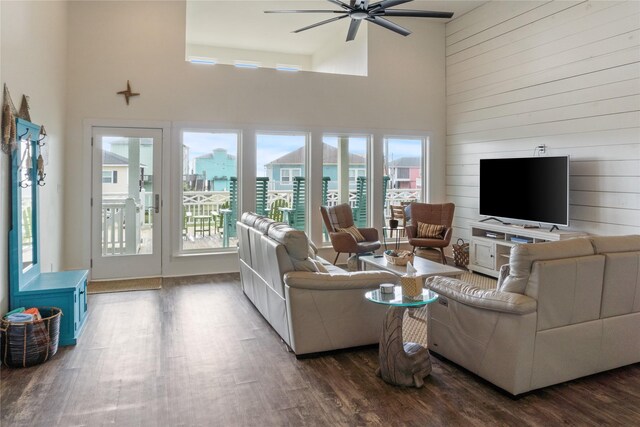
{"type": "Point", "coordinates": [325, 281]}
{"type": "Point", "coordinates": [457, 290]}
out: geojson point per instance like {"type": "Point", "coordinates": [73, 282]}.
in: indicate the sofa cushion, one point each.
{"type": "Point", "coordinates": [249, 218]}
{"type": "Point", "coordinates": [610, 244]}
{"type": "Point", "coordinates": [313, 250]}
{"type": "Point", "coordinates": [262, 224]}
{"type": "Point", "coordinates": [353, 230]}
{"type": "Point", "coordinates": [621, 290]}
{"type": "Point", "coordinates": [430, 231]}
{"type": "Point", "coordinates": [296, 243]}
{"type": "Point", "coordinates": [523, 256]}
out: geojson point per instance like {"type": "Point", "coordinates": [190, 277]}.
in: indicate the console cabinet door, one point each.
{"type": "Point", "coordinates": [483, 254]}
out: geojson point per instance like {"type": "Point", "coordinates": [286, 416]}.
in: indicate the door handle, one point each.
{"type": "Point", "coordinates": [157, 203]}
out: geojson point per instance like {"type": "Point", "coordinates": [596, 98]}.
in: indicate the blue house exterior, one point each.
{"type": "Point", "coordinates": [282, 170]}
{"type": "Point", "coordinates": [216, 168]}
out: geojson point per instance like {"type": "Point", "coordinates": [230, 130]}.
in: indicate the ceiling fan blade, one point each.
{"type": "Point", "coordinates": [388, 3]}
{"type": "Point", "coordinates": [317, 24]}
{"type": "Point", "coordinates": [304, 11]}
{"type": "Point", "coordinates": [342, 5]}
{"type": "Point", "coordinates": [414, 13]}
{"type": "Point", "coordinates": [353, 29]}
{"type": "Point", "coordinates": [388, 25]}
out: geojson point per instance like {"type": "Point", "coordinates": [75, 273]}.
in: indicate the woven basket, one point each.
{"type": "Point", "coordinates": [400, 261]}
{"type": "Point", "coordinates": [26, 344]}
{"type": "Point", "coordinates": [411, 285]}
{"type": "Point", "coordinates": [461, 253]}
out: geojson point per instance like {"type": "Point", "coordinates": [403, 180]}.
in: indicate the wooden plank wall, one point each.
{"type": "Point", "coordinates": [561, 73]}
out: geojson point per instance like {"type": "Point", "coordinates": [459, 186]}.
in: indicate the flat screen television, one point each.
{"type": "Point", "coordinates": [534, 189]}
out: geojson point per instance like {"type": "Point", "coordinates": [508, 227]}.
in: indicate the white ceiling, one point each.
{"type": "Point", "coordinates": [242, 24]}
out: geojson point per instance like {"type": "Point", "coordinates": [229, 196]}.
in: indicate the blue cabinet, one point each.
{"type": "Point", "coordinates": [28, 287]}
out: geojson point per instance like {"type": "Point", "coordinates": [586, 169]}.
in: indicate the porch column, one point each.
{"type": "Point", "coordinates": [343, 169]}
{"type": "Point", "coordinates": [132, 203]}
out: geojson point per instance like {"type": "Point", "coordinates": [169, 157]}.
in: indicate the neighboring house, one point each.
{"type": "Point", "coordinates": [115, 173]}
{"type": "Point", "coordinates": [405, 173]}
{"type": "Point", "coordinates": [282, 170]}
{"type": "Point", "coordinates": [121, 147]}
{"type": "Point", "coordinates": [215, 168]}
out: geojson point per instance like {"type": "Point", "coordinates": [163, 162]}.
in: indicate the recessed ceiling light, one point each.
{"type": "Point", "coordinates": [199, 60]}
{"type": "Point", "coordinates": [246, 64]}
{"type": "Point", "coordinates": [287, 67]}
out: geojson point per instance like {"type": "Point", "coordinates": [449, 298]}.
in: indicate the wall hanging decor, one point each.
{"type": "Point", "coordinates": [24, 109]}
{"type": "Point", "coordinates": [127, 93]}
{"type": "Point", "coordinates": [9, 113]}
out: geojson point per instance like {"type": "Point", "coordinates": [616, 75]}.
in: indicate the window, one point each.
{"type": "Point", "coordinates": [344, 168]}
{"type": "Point", "coordinates": [209, 190]}
{"type": "Point", "coordinates": [403, 164]}
{"type": "Point", "coordinates": [287, 174]}
{"type": "Point", "coordinates": [109, 177]}
{"type": "Point", "coordinates": [280, 177]}
{"type": "Point", "coordinates": [403, 174]}
{"type": "Point", "coordinates": [354, 174]}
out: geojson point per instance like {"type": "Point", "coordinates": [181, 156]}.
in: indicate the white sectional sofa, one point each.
{"type": "Point", "coordinates": [313, 305]}
{"type": "Point", "coordinates": [562, 310]}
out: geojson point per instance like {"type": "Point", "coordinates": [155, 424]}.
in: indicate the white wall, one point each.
{"type": "Point", "coordinates": [564, 74]}
{"type": "Point", "coordinates": [341, 57]}
{"type": "Point", "coordinates": [112, 42]}
{"type": "Point", "coordinates": [33, 51]}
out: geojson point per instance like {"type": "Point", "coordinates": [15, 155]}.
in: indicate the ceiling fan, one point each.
{"type": "Point", "coordinates": [359, 10]}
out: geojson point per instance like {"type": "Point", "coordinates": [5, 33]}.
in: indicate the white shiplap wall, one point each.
{"type": "Point", "coordinates": [560, 73]}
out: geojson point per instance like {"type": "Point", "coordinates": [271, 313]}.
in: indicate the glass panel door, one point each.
{"type": "Point", "coordinates": [126, 202]}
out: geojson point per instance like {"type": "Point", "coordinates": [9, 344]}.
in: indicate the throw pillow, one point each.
{"type": "Point", "coordinates": [354, 232]}
{"type": "Point", "coordinates": [430, 231]}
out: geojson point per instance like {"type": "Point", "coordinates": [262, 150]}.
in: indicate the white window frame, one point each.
{"type": "Point", "coordinates": [422, 185]}
{"type": "Point", "coordinates": [291, 174]}
{"type": "Point", "coordinates": [177, 247]}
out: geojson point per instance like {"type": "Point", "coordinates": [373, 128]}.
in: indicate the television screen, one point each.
{"type": "Point", "coordinates": [528, 189]}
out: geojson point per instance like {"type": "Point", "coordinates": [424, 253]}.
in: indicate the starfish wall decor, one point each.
{"type": "Point", "coordinates": [127, 93]}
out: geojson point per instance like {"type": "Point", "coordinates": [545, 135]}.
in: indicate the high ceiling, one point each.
{"type": "Point", "coordinates": [242, 24]}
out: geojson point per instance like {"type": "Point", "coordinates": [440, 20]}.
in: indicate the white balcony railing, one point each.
{"type": "Point", "coordinates": [119, 210]}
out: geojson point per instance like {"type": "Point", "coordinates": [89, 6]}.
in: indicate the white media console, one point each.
{"type": "Point", "coordinates": [491, 244]}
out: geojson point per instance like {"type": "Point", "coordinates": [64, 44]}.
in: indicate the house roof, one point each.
{"type": "Point", "coordinates": [405, 162]}
{"type": "Point", "coordinates": [329, 155]}
{"type": "Point", "coordinates": [210, 155]}
{"type": "Point", "coordinates": [111, 158]}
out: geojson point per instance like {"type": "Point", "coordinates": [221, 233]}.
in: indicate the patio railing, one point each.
{"type": "Point", "coordinates": [119, 210]}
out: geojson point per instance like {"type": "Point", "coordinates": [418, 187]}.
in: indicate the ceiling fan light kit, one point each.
{"type": "Point", "coordinates": [363, 10]}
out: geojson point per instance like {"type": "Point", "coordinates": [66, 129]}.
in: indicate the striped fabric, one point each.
{"type": "Point", "coordinates": [430, 231]}
{"type": "Point", "coordinates": [353, 231]}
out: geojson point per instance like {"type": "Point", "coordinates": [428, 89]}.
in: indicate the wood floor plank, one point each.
{"type": "Point", "coordinates": [197, 352]}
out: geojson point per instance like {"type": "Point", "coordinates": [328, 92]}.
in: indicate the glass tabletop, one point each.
{"type": "Point", "coordinates": [397, 299]}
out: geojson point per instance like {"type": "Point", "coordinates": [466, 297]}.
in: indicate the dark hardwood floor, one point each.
{"type": "Point", "coordinates": [197, 353]}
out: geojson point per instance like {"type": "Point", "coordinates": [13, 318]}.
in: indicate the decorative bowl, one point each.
{"type": "Point", "coordinates": [401, 260]}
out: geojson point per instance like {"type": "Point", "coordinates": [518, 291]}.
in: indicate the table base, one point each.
{"type": "Point", "coordinates": [403, 364]}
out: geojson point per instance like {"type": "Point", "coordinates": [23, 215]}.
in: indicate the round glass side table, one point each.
{"type": "Point", "coordinates": [403, 364]}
